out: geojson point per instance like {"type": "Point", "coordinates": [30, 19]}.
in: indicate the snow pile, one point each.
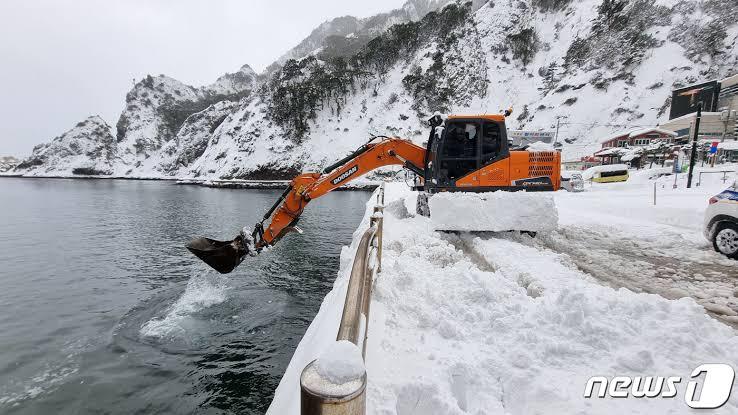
{"type": "Point", "coordinates": [494, 211]}
{"type": "Point", "coordinates": [340, 362]}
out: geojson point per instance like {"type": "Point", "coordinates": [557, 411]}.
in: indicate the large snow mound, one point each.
{"type": "Point", "coordinates": [494, 211]}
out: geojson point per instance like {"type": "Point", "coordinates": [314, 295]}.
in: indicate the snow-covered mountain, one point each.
{"type": "Point", "coordinates": [348, 33]}
{"type": "Point", "coordinates": [596, 66]}
{"type": "Point", "coordinates": [7, 163]}
{"type": "Point", "coordinates": [89, 148]}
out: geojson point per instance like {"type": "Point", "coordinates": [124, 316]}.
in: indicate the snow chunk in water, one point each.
{"type": "Point", "coordinates": [340, 362]}
{"type": "Point", "coordinates": [496, 212]}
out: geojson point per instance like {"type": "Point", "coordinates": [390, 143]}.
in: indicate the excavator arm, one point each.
{"type": "Point", "coordinates": [224, 256]}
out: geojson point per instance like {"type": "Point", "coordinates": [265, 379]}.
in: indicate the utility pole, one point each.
{"type": "Point", "coordinates": [694, 144]}
{"type": "Point", "coordinates": [556, 137]}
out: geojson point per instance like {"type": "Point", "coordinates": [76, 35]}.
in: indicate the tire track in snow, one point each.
{"type": "Point", "coordinates": [464, 242]}
{"type": "Point", "coordinates": [670, 267]}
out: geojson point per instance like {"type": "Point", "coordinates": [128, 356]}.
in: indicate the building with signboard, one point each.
{"type": "Point", "coordinates": [719, 113]}
{"type": "Point", "coordinates": [684, 100]}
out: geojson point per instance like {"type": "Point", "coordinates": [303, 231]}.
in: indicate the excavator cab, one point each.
{"type": "Point", "coordinates": [460, 148]}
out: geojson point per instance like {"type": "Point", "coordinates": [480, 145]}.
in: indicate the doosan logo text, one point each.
{"type": "Point", "coordinates": [343, 176]}
{"type": "Point", "coordinates": [713, 392]}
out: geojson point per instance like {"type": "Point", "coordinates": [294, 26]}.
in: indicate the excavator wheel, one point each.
{"type": "Point", "coordinates": [421, 206]}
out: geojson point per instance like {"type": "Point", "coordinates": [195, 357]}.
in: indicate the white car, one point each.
{"type": "Point", "coordinates": [721, 222]}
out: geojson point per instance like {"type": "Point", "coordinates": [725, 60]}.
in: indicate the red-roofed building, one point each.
{"type": "Point", "coordinates": [613, 147]}
{"type": "Point", "coordinates": [640, 137]}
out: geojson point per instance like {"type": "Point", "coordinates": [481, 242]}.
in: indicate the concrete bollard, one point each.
{"type": "Point", "coordinates": [320, 396]}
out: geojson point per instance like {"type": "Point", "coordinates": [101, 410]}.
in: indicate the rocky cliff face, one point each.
{"type": "Point", "coordinates": [87, 149]}
{"type": "Point", "coordinates": [596, 66]}
{"type": "Point", "coordinates": [157, 107]}
{"type": "Point", "coordinates": [8, 163]}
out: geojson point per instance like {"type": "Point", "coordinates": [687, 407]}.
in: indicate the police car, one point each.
{"type": "Point", "coordinates": [721, 222]}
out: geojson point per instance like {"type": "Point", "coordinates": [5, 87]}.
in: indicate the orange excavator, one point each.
{"type": "Point", "coordinates": [465, 153]}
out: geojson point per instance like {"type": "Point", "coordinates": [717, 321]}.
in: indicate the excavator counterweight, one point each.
{"type": "Point", "coordinates": [464, 153]}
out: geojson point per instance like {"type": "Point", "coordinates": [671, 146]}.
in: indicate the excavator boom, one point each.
{"type": "Point", "coordinates": [224, 256]}
{"type": "Point", "coordinates": [466, 153]}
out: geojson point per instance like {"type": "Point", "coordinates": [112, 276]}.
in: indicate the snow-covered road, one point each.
{"type": "Point", "coordinates": [508, 324]}
{"type": "Point", "coordinates": [615, 233]}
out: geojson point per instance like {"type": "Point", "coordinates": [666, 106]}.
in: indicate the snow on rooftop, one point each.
{"type": "Point", "coordinates": [615, 135]}
{"type": "Point", "coordinates": [609, 151]}
{"type": "Point", "coordinates": [637, 132]}
{"type": "Point", "coordinates": [642, 131]}
{"type": "Point", "coordinates": [729, 81]}
{"type": "Point", "coordinates": [693, 115]}
{"type": "Point", "coordinates": [728, 145]}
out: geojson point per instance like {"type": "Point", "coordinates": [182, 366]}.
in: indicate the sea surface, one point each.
{"type": "Point", "coordinates": [103, 310]}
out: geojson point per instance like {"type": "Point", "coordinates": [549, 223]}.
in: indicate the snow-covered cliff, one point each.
{"type": "Point", "coordinates": [89, 148]}
{"type": "Point", "coordinates": [7, 163]}
{"type": "Point", "coordinates": [596, 66]}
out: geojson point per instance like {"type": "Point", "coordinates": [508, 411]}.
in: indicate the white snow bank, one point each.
{"type": "Point", "coordinates": [340, 362]}
{"type": "Point", "coordinates": [494, 211]}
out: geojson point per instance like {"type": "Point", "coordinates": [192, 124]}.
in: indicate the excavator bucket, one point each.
{"type": "Point", "coordinates": [222, 256]}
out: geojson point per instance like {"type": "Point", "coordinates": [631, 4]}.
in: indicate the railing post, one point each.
{"type": "Point", "coordinates": [321, 396]}
{"type": "Point", "coordinates": [378, 219]}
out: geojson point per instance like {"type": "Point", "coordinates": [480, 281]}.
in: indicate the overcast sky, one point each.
{"type": "Point", "coordinates": [63, 60]}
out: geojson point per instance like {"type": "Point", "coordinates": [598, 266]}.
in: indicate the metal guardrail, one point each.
{"type": "Point", "coordinates": [317, 394]}
{"type": "Point", "coordinates": [724, 172]}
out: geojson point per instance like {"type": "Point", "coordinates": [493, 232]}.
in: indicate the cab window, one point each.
{"type": "Point", "coordinates": [460, 150]}
{"type": "Point", "coordinates": [491, 142]}
{"type": "Point", "coordinates": [461, 140]}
